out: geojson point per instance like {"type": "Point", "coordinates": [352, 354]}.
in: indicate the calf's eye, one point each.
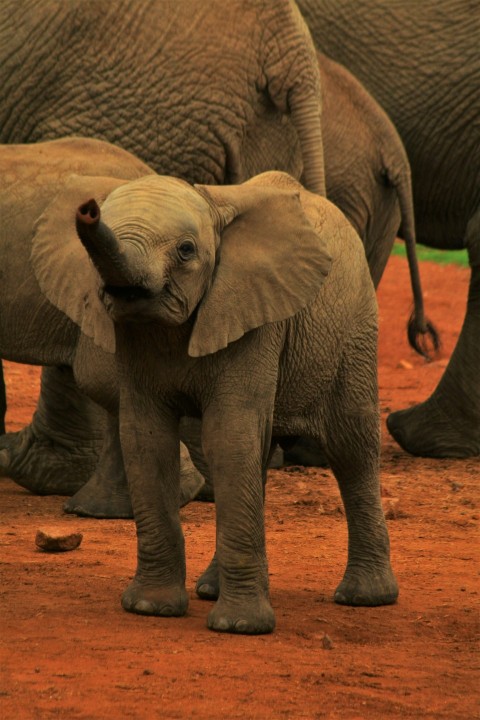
{"type": "Point", "coordinates": [186, 250]}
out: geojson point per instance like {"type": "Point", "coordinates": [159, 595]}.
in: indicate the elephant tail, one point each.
{"type": "Point", "coordinates": [422, 334]}
{"type": "Point", "coordinates": [3, 401]}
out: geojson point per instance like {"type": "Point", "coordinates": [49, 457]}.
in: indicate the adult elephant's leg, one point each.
{"type": "Point", "coordinates": [69, 449]}
{"type": "Point", "coordinates": [59, 450]}
{"type": "Point", "coordinates": [3, 400]}
{"type": "Point", "coordinates": [448, 423]}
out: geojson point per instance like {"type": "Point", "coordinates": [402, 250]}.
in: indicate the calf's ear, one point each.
{"type": "Point", "coordinates": [61, 264]}
{"type": "Point", "coordinates": [270, 263]}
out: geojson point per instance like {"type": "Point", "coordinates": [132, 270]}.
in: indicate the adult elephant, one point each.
{"type": "Point", "coordinates": [421, 62]}
{"type": "Point", "coordinates": [198, 90]}
{"type": "Point", "coordinates": [191, 87]}
{"type": "Point", "coordinates": [367, 169]}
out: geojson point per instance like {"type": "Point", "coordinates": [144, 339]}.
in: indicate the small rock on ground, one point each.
{"type": "Point", "coordinates": [57, 540]}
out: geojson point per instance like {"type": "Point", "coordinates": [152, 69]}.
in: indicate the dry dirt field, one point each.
{"type": "Point", "coordinates": [68, 650]}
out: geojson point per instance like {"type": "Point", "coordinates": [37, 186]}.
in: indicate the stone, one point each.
{"type": "Point", "coordinates": [57, 539]}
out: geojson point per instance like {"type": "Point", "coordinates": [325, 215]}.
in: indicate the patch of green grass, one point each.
{"type": "Point", "coordinates": [457, 257]}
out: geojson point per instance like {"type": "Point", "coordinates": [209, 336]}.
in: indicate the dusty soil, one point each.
{"type": "Point", "coordinates": [69, 651]}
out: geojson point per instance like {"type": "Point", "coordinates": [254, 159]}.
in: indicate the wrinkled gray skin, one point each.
{"type": "Point", "coordinates": [420, 60]}
{"type": "Point", "coordinates": [367, 175]}
{"type": "Point", "coordinates": [252, 307]}
{"type": "Point", "coordinates": [30, 177]}
{"type": "Point", "coordinates": [196, 89]}
{"type": "Point", "coordinates": [192, 88]}
{"type": "Point", "coordinates": [3, 401]}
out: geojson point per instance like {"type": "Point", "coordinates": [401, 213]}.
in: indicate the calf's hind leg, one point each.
{"type": "Point", "coordinates": [352, 447]}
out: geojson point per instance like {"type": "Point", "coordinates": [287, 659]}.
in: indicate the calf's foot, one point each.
{"type": "Point", "coordinates": [305, 452]}
{"type": "Point", "coordinates": [250, 616]}
{"type": "Point", "coordinates": [145, 599]}
{"type": "Point", "coordinates": [208, 584]}
{"type": "Point", "coordinates": [367, 586]}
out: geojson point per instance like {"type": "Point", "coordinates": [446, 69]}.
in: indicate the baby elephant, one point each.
{"type": "Point", "coordinates": [252, 307]}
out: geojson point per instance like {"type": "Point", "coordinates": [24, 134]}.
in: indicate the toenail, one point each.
{"type": "Point", "coordinates": [206, 589]}
{"type": "Point", "coordinates": [222, 624]}
{"type": "Point", "coordinates": [143, 606]}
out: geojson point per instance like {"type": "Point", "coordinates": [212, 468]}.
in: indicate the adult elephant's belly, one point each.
{"type": "Point", "coordinates": [443, 209]}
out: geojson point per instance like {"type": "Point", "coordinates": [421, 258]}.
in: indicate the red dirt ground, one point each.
{"type": "Point", "coordinates": [69, 651]}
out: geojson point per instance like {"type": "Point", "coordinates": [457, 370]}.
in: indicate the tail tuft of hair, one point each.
{"type": "Point", "coordinates": [423, 337]}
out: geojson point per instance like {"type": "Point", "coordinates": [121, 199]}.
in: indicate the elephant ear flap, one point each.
{"type": "Point", "coordinates": [270, 262]}
{"type": "Point", "coordinates": [63, 269]}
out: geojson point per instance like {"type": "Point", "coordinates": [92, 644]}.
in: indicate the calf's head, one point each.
{"type": "Point", "coordinates": [154, 248]}
{"type": "Point", "coordinates": [229, 258]}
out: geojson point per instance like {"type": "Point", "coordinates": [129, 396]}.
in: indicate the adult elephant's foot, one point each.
{"type": "Point", "coordinates": [367, 586]}
{"type": "Point", "coordinates": [245, 616]}
{"type": "Point", "coordinates": [208, 585]}
{"type": "Point", "coordinates": [448, 423]}
{"type": "Point", "coordinates": [40, 465]}
{"type": "Point", "coordinates": [428, 430]}
{"type": "Point", "coordinates": [100, 499]}
{"type": "Point", "coordinates": [248, 615]}
{"type": "Point", "coordinates": [144, 599]}
{"type": "Point", "coordinates": [106, 494]}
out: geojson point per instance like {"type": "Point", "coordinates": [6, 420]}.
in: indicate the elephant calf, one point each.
{"type": "Point", "coordinates": [252, 307]}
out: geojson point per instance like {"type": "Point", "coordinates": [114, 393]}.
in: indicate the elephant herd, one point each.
{"type": "Point", "coordinates": [168, 257]}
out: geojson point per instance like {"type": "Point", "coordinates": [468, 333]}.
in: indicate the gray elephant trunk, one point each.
{"type": "Point", "coordinates": [102, 246]}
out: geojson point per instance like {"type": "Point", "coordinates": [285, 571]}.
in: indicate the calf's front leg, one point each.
{"type": "Point", "coordinates": [150, 446]}
{"type": "Point", "coordinates": [237, 463]}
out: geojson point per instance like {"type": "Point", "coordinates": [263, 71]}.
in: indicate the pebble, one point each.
{"type": "Point", "coordinates": [57, 539]}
